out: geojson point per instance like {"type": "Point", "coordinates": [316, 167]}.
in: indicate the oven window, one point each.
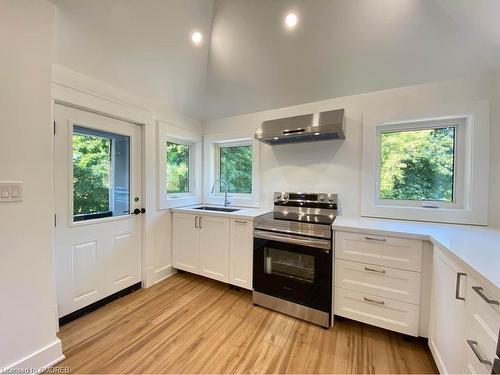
{"type": "Point", "coordinates": [288, 264]}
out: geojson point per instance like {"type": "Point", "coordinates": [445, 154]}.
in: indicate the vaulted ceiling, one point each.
{"type": "Point", "coordinates": [249, 61]}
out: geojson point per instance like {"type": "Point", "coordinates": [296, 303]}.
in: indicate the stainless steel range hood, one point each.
{"type": "Point", "coordinates": [312, 127]}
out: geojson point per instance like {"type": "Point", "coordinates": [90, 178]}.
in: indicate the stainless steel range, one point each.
{"type": "Point", "coordinates": [293, 256]}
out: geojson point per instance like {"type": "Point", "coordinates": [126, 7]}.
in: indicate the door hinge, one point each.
{"type": "Point", "coordinates": [54, 127]}
{"type": "Point", "coordinates": [55, 220]}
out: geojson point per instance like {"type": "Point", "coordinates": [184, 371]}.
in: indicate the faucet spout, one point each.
{"type": "Point", "coordinates": [226, 189]}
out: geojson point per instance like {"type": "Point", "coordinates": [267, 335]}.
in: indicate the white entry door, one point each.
{"type": "Point", "coordinates": [97, 190]}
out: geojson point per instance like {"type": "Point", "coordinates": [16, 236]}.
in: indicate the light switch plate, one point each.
{"type": "Point", "coordinates": [11, 191]}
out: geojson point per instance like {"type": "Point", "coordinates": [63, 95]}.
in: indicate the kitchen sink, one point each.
{"type": "Point", "coordinates": [220, 209]}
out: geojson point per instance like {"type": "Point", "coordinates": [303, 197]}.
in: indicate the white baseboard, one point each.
{"type": "Point", "coordinates": [437, 357]}
{"type": "Point", "coordinates": [155, 275]}
{"type": "Point", "coordinates": [163, 273]}
{"type": "Point", "coordinates": [38, 361]}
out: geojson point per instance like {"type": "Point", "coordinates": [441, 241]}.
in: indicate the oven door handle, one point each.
{"type": "Point", "coordinates": [288, 238]}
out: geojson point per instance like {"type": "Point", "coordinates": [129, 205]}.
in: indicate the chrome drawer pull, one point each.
{"type": "Point", "coordinates": [473, 346]}
{"type": "Point", "coordinates": [375, 239]}
{"type": "Point", "coordinates": [372, 300]}
{"type": "Point", "coordinates": [457, 286]}
{"type": "Point", "coordinates": [240, 221]}
{"type": "Point", "coordinates": [479, 290]}
{"type": "Point", "coordinates": [374, 270]}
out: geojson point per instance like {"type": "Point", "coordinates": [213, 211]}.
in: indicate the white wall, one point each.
{"type": "Point", "coordinates": [27, 316]}
{"type": "Point", "coordinates": [340, 48]}
{"type": "Point", "coordinates": [335, 166]}
{"type": "Point", "coordinates": [494, 217]}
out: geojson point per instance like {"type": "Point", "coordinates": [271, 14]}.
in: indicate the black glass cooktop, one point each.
{"type": "Point", "coordinates": [303, 218]}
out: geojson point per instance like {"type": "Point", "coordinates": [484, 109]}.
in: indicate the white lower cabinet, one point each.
{"type": "Point", "coordinates": [447, 318]}
{"type": "Point", "coordinates": [214, 247]}
{"type": "Point", "coordinates": [377, 280]}
{"type": "Point", "coordinates": [241, 253]}
{"type": "Point", "coordinates": [464, 319]}
{"type": "Point", "coordinates": [186, 242]}
{"type": "Point", "coordinates": [217, 247]}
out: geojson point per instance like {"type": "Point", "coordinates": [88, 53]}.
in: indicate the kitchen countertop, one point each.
{"type": "Point", "coordinates": [476, 246]}
{"type": "Point", "coordinates": [242, 213]}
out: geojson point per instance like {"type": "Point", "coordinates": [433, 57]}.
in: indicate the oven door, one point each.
{"type": "Point", "coordinates": [294, 268]}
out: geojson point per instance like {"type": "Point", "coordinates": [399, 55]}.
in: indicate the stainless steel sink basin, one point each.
{"type": "Point", "coordinates": [220, 209]}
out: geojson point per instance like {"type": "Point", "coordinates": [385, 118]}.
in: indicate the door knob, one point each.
{"type": "Point", "coordinates": [137, 211]}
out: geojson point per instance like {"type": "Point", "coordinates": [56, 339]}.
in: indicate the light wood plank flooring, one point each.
{"type": "Point", "coordinates": [188, 324]}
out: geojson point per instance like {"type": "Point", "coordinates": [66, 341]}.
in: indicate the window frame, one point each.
{"type": "Point", "coordinates": [92, 131]}
{"type": "Point", "coordinates": [475, 117]}
{"type": "Point", "coordinates": [212, 144]}
{"type": "Point", "coordinates": [459, 124]}
{"type": "Point", "coordinates": [175, 134]}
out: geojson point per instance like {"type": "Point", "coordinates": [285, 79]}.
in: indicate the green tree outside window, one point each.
{"type": "Point", "coordinates": [177, 168]}
{"type": "Point", "coordinates": [91, 174]}
{"type": "Point", "coordinates": [236, 168]}
{"type": "Point", "coordinates": [418, 164]}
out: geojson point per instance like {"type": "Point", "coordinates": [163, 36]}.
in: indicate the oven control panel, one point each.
{"type": "Point", "coordinates": [330, 198]}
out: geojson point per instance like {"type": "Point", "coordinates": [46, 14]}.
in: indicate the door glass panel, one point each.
{"type": "Point", "coordinates": [101, 174]}
{"type": "Point", "coordinates": [289, 264]}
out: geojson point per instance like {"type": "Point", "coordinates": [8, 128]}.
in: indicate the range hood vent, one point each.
{"type": "Point", "coordinates": [312, 127]}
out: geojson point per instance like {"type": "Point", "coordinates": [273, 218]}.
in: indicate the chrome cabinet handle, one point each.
{"type": "Point", "coordinates": [196, 222]}
{"type": "Point", "coordinates": [457, 287]}
{"type": "Point", "coordinates": [473, 346]}
{"type": "Point", "coordinates": [199, 221]}
{"type": "Point", "coordinates": [374, 301]}
{"type": "Point", "coordinates": [479, 290]}
{"type": "Point", "coordinates": [374, 270]}
{"type": "Point", "coordinates": [375, 239]}
{"type": "Point", "coordinates": [240, 221]}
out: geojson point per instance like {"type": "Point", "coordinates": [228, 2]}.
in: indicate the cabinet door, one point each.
{"type": "Point", "coordinates": [185, 243]}
{"type": "Point", "coordinates": [447, 321]}
{"type": "Point", "coordinates": [241, 253]}
{"type": "Point", "coordinates": [214, 247]}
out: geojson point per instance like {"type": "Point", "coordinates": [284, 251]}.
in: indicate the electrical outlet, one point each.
{"type": "Point", "coordinates": [11, 191]}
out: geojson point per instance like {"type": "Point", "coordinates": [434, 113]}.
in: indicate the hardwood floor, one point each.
{"type": "Point", "coordinates": [188, 324]}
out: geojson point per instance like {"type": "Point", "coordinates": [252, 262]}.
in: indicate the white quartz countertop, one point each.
{"type": "Point", "coordinates": [477, 246]}
{"type": "Point", "coordinates": [242, 213]}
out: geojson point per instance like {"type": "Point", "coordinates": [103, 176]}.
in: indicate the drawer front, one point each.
{"type": "Point", "coordinates": [474, 350]}
{"type": "Point", "coordinates": [387, 282]}
{"type": "Point", "coordinates": [381, 312]}
{"type": "Point", "coordinates": [483, 318]}
{"type": "Point", "coordinates": [387, 251]}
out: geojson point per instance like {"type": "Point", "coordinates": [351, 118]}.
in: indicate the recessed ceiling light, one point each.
{"type": "Point", "coordinates": [276, 138]}
{"type": "Point", "coordinates": [316, 133]}
{"type": "Point", "coordinates": [291, 20]}
{"type": "Point", "coordinates": [196, 37]}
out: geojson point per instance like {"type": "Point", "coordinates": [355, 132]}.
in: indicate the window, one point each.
{"type": "Point", "coordinates": [234, 158]}
{"type": "Point", "coordinates": [235, 167]}
{"type": "Point", "coordinates": [178, 168]}
{"type": "Point", "coordinates": [428, 168]}
{"type": "Point", "coordinates": [418, 164]}
{"type": "Point", "coordinates": [101, 186]}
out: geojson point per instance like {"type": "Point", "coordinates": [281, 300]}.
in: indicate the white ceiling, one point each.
{"type": "Point", "coordinates": [340, 47]}
{"type": "Point", "coordinates": [142, 46]}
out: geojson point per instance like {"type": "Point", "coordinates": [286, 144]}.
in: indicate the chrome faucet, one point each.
{"type": "Point", "coordinates": [226, 185]}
